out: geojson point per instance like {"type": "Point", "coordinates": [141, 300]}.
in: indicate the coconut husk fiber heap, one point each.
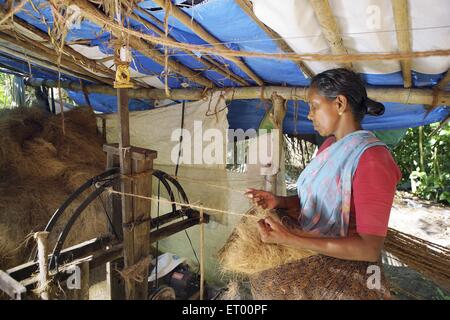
{"type": "Point", "coordinates": [277, 272]}
{"type": "Point", "coordinates": [245, 254]}
{"type": "Point", "coordinates": [39, 168]}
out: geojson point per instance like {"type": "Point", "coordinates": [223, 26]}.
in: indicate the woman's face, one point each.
{"type": "Point", "coordinates": [323, 113]}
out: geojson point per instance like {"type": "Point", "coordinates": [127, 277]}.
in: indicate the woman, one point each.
{"type": "Point", "coordinates": [344, 195]}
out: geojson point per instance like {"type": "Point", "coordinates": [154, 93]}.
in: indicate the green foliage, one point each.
{"type": "Point", "coordinates": [6, 81]}
{"type": "Point", "coordinates": [441, 295]}
{"type": "Point", "coordinates": [426, 165]}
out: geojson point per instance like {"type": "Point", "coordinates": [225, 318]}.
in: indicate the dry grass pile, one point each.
{"type": "Point", "coordinates": [245, 254]}
{"type": "Point", "coordinates": [39, 168]}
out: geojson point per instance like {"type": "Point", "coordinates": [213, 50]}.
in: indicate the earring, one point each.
{"type": "Point", "coordinates": [340, 113]}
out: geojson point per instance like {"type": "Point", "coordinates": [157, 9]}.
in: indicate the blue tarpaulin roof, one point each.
{"type": "Point", "coordinates": [232, 26]}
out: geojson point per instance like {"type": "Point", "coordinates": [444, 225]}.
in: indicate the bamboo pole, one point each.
{"type": "Point", "coordinates": [90, 64]}
{"type": "Point", "coordinates": [209, 63]}
{"type": "Point", "coordinates": [41, 61]}
{"type": "Point", "coordinates": [402, 26]}
{"type": "Point", "coordinates": [444, 81]}
{"type": "Point", "coordinates": [279, 112]}
{"type": "Point", "coordinates": [205, 35]}
{"type": "Point", "coordinates": [247, 7]}
{"type": "Point", "coordinates": [97, 17]}
{"type": "Point", "coordinates": [42, 247]}
{"type": "Point", "coordinates": [399, 95]}
{"type": "Point", "coordinates": [330, 28]}
{"type": "Point", "coordinates": [36, 49]}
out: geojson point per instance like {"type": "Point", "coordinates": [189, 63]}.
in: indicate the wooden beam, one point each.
{"type": "Point", "coordinates": [94, 15]}
{"type": "Point", "coordinates": [247, 7]}
{"type": "Point", "coordinates": [90, 64]}
{"type": "Point", "coordinates": [443, 83]}
{"type": "Point", "coordinates": [189, 22]}
{"type": "Point", "coordinates": [209, 63]}
{"type": "Point", "coordinates": [36, 49]}
{"type": "Point", "coordinates": [14, 289]}
{"type": "Point", "coordinates": [330, 28]}
{"type": "Point", "coordinates": [402, 26]}
{"type": "Point", "coordinates": [38, 60]}
{"type": "Point", "coordinates": [23, 271]}
{"type": "Point", "coordinates": [97, 252]}
{"type": "Point", "coordinates": [126, 185]}
{"type": "Point", "coordinates": [399, 95]}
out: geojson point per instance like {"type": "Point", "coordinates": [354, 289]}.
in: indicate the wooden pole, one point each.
{"type": "Point", "coordinates": [38, 51]}
{"type": "Point", "coordinates": [247, 7]}
{"type": "Point", "coordinates": [190, 23]}
{"type": "Point", "coordinates": [279, 112]}
{"type": "Point", "coordinates": [202, 255]}
{"type": "Point", "coordinates": [444, 81]}
{"type": "Point", "coordinates": [330, 28]}
{"type": "Point", "coordinates": [399, 95]}
{"type": "Point", "coordinates": [42, 247]}
{"type": "Point", "coordinates": [125, 170]}
{"type": "Point", "coordinates": [35, 58]}
{"type": "Point", "coordinates": [210, 64]}
{"type": "Point", "coordinates": [149, 50]}
{"type": "Point", "coordinates": [76, 57]}
{"type": "Point", "coordinates": [402, 27]}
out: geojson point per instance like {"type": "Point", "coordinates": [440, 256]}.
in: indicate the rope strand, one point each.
{"type": "Point", "coordinates": [192, 206]}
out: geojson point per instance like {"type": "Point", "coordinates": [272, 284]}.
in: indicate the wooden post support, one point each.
{"type": "Point", "coordinates": [279, 112]}
{"type": "Point", "coordinates": [135, 223]}
{"type": "Point", "coordinates": [114, 281]}
{"type": "Point", "coordinates": [126, 186]}
{"type": "Point", "coordinates": [42, 247]}
{"type": "Point", "coordinates": [202, 255]}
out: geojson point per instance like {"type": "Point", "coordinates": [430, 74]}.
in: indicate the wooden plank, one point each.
{"type": "Point", "coordinates": [14, 289]}
{"type": "Point", "coordinates": [137, 153]}
{"type": "Point", "coordinates": [175, 228]}
{"type": "Point", "coordinates": [114, 281]}
{"type": "Point", "coordinates": [141, 211]}
{"type": "Point", "coordinates": [168, 217]}
{"type": "Point", "coordinates": [23, 271]}
{"type": "Point", "coordinates": [126, 186]}
{"type": "Point", "coordinates": [97, 257]}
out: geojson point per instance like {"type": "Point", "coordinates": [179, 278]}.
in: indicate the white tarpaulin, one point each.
{"type": "Point", "coordinates": [366, 26]}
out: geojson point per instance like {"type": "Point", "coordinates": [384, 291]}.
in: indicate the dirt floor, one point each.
{"type": "Point", "coordinates": [426, 220]}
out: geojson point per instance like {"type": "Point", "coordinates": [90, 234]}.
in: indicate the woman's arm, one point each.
{"type": "Point", "coordinates": [268, 200]}
{"type": "Point", "coordinates": [358, 247]}
{"type": "Point", "coordinates": [289, 203]}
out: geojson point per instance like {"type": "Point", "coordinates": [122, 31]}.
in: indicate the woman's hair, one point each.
{"type": "Point", "coordinates": [334, 82]}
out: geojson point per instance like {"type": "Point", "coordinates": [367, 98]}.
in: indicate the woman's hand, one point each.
{"type": "Point", "coordinates": [263, 199]}
{"type": "Point", "coordinates": [273, 231]}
